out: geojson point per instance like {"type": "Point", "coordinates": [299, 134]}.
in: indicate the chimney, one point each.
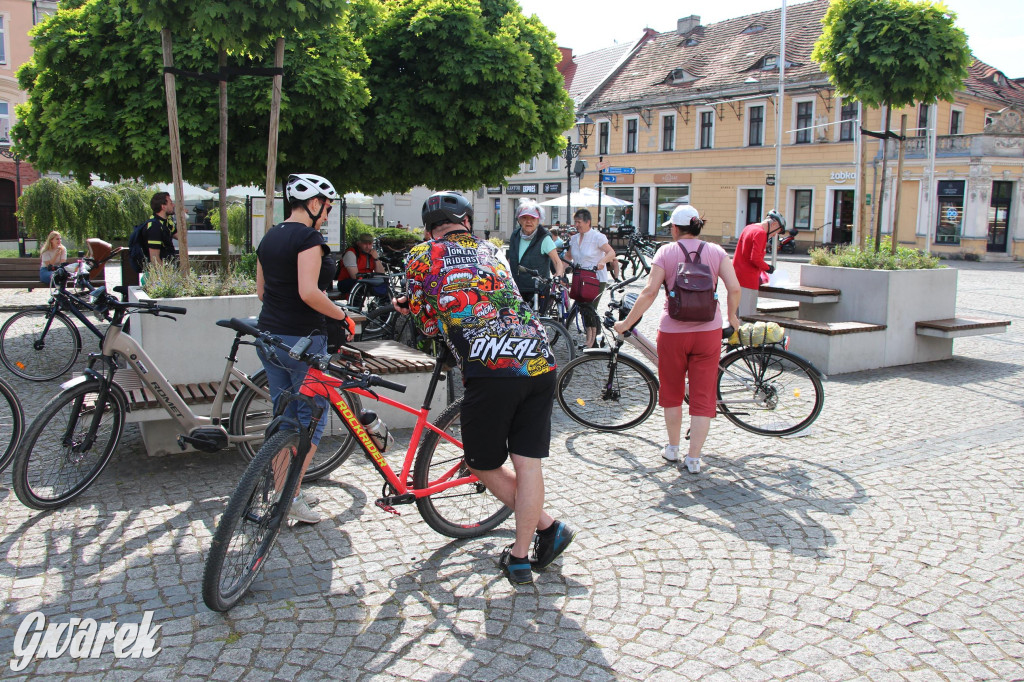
{"type": "Point", "coordinates": [566, 55]}
{"type": "Point", "coordinates": [687, 24]}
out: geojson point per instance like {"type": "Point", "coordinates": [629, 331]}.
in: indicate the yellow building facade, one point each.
{"type": "Point", "coordinates": [714, 146]}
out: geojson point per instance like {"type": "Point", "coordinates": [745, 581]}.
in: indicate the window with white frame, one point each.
{"type": "Point", "coordinates": [602, 137]}
{"type": "Point", "coordinates": [956, 121]}
{"type": "Point", "coordinates": [706, 129]}
{"type": "Point", "coordinates": [849, 113]}
{"type": "Point", "coordinates": [803, 203]}
{"type": "Point", "coordinates": [3, 38]}
{"type": "Point", "coordinates": [922, 120]}
{"type": "Point", "coordinates": [554, 162]}
{"type": "Point", "coordinates": [668, 132]}
{"type": "Point", "coordinates": [804, 119]}
{"type": "Point", "coordinates": [531, 167]}
{"type": "Point", "coordinates": [755, 125]}
{"type": "Point", "coordinates": [5, 121]}
{"type": "Point", "coordinates": [631, 135]}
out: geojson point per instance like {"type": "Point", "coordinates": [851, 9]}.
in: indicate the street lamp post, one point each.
{"type": "Point", "coordinates": [7, 152]}
{"type": "Point", "coordinates": [572, 151]}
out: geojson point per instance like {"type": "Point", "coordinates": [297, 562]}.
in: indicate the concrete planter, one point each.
{"type": "Point", "coordinates": [896, 298]}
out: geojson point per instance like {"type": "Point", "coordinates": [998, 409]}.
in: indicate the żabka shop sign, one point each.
{"type": "Point", "coordinates": [842, 176]}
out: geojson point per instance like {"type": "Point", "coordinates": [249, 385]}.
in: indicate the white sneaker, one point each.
{"type": "Point", "coordinates": [311, 498]}
{"type": "Point", "coordinates": [300, 511]}
{"type": "Point", "coordinates": [692, 464]}
{"type": "Point", "coordinates": [671, 453]}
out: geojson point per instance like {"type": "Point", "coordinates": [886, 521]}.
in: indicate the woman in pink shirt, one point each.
{"type": "Point", "coordinates": [687, 350]}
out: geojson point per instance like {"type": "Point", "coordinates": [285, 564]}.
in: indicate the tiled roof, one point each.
{"type": "Point", "coordinates": [981, 82]}
{"type": "Point", "coordinates": [724, 56]}
{"type": "Point", "coordinates": [588, 70]}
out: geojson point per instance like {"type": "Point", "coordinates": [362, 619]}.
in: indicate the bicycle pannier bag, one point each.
{"type": "Point", "coordinates": [692, 296]}
{"type": "Point", "coordinates": [585, 286]}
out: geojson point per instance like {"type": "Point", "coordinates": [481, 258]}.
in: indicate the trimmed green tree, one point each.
{"type": "Point", "coordinates": [892, 53]}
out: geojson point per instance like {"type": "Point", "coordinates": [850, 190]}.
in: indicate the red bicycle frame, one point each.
{"type": "Point", "coordinates": [318, 383]}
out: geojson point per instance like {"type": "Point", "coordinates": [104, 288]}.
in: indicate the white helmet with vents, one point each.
{"type": "Point", "coordinates": [302, 186]}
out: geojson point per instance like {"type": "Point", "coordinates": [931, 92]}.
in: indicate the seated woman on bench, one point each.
{"type": "Point", "coordinates": [51, 255]}
{"type": "Point", "coordinates": [360, 260]}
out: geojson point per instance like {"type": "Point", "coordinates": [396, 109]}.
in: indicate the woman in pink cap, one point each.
{"type": "Point", "coordinates": [531, 246]}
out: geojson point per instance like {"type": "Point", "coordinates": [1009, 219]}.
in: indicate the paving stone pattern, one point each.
{"type": "Point", "coordinates": [886, 545]}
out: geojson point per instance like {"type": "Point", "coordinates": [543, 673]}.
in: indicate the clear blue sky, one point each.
{"type": "Point", "coordinates": [995, 28]}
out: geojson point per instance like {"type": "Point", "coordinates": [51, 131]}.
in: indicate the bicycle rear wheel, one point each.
{"type": "Point", "coordinates": [12, 423]}
{"type": "Point", "coordinates": [56, 462]}
{"type": "Point", "coordinates": [607, 392]}
{"type": "Point", "coordinates": [34, 355]}
{"type": "Point", "coordinates": [252, 412]}
{"type": "Point", "coordinates": [463, 511]}
{"type": "Point", "coordinates": [251, 523]}
{"type": "Point", "coordinates": [381, 324]}
{"type": "Point", "coordinates": [769, 391]}
{"type": "Point", "coordinates": [561, 344]}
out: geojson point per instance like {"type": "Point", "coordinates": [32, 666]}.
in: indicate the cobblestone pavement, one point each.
{"type": "Point", "coordinates": [887, 545]}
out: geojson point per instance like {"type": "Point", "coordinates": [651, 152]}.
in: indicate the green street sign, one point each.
{"type": "Point", "coordinates": [867, 200]}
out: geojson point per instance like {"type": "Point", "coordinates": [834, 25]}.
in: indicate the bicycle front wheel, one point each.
{"type": "Point", "coordinates": [251, 523]}
{"type": "Point", "coordinates": [36, 348]}
{"type": "Point", "coordinates": [252, 412]}
{"type": "Point", "coordinates": [769, 391]}
{"type": "Point", "coordinates": [60, 457]}
{"type": "Point", "coordinates": [607, 392]}
{"type": "Point", "coordinates": [462, 511]}
{"type": "Point", "coordinates": [12, 423]}
{"type": "Point", "coordinates": [561, 344]}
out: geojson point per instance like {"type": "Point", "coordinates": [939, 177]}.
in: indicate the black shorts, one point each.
{"type": "Point", "coordinates": [506, 414]}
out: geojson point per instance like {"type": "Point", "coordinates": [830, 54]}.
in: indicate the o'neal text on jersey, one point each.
{"type": "Point", "coordinates": [490, 348]}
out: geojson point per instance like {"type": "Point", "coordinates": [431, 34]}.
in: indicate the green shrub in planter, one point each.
{"type": "Point", "coordinates": [165, 280]}
{"type": "Point", "coordinates": [852, 256]}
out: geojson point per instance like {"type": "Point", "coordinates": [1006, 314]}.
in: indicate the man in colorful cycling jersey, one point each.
{"type": "Point", "coordinates": [460, 287]}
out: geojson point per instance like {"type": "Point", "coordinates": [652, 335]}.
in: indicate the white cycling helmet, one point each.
{"type": "Point", "coordinates": [302, 186]}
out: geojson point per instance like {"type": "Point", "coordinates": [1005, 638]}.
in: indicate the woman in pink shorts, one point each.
{"type": "Point", "coordinates": [687, 350]}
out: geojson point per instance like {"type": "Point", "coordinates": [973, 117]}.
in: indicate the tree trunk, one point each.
{"type": "Point", "coordinates": [172, 127]}
{"type": "Point", "coordinates": [275, 117]}
{"type": "Point", "coordinates": [222, 60]}
{"type": "Point", "coordinates": [899, 186]}
{"type": "Point", "coordinates": [881, 185]}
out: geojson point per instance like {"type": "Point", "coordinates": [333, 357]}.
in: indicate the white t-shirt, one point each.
{"type": "Point", "coordinates": [586, 251]}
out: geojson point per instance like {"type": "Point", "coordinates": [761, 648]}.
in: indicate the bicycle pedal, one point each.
{"type": "Point", "coordinates": [387, 507]}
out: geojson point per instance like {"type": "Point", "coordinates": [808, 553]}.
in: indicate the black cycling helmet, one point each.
{"type": "Point", "coordinates": [445, 207]}
{"type": "Point", "coordinates": [777, 217]}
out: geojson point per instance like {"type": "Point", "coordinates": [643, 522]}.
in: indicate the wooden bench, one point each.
{"type": "Point", "coordinates": [955, 327]}
{"type": "Point", "coordinates": [800, 293]}
{"type": "Point", "coordinates": [815, 327]}
{"type": "Point", "coordinates": [770, 306]}
{"type": "Point", "coordinates": [23, 273]}
{"type": "Point", "coordinates": [392, 357]}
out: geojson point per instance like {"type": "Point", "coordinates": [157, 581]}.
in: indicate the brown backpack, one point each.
{"type": "Point", "coordinates": [692, 297]}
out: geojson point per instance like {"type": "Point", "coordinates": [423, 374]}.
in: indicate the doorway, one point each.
{"type": "Point", "coordinates": [999, 216]}
{"type": "Point", "coordinates": [8, 222]}
{"type": "Point", "coordinates": [842, 216]}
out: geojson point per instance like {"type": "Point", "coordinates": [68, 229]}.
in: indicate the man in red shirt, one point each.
{"type": "Point", "coordinates": [748, 261]}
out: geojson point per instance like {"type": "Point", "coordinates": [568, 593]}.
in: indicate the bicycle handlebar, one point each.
{"type": "Point", "coordinates": [322, 362]}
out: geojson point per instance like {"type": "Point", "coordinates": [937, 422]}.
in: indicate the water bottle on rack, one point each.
{"type": "Point", "coordinates": [377, 429]}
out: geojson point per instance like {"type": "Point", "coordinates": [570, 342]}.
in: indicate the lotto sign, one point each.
{"type": "Point", "coordinates": [952, 215]}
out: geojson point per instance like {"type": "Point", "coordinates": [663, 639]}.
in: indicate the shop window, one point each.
{"type": "Point", "coordinates": [617, 216]}
{"type": "Point", "coordinates": [951, 212]}
{"type": "Point", "coordinates": [803, 203]}
{"type": "Point", "coordinates": [668, 198]}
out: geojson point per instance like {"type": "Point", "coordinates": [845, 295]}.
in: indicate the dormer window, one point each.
{"type": "Point", "coordinates": [680, 75]}
{"type": "Point", "coordinates": [770, 62]}
{"type": "Point", "coordinates": [753, 28]}
{"type": "Point", "coordinates": [997, 78]}
{"type": "Point", "coordinates": [690, 42]}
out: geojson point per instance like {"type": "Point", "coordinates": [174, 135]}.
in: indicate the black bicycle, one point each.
{"type": "Point", "coordinates": [638, 255]}
{"type": "Point", "coordinates": [12, 423]}
{"type": "Point", "coordinates": [42, 343]}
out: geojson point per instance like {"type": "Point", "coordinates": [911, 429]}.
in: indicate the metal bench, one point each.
{"type": "Point", "coordinates": [956, 327]}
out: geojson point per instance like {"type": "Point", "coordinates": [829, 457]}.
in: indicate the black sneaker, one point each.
{"type": "Point", "coordinates": [547, 548]}
{"type": "Point", "coordinates": [517, 571]}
